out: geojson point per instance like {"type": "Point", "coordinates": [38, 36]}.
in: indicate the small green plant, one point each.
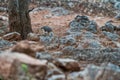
{"type": "Point", "coordinates": [24, 67]}
{"type": "Point", "coordinates": [1, 78]}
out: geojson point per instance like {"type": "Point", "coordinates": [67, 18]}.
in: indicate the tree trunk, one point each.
{"type": "Point", "coordinates": [19, 19]}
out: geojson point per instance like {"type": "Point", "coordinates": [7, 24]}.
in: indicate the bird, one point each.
{"type": "Point", "coordinates": [46, 30]}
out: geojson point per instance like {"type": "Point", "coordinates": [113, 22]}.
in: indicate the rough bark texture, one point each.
{"type": "Point", "coordinates": [19, 19]}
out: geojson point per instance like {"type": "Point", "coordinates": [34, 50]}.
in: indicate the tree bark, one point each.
{"type": "Point", "coordinates": [19, 19]}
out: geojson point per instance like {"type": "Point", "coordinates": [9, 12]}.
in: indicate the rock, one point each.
{"type": "Point", "coordinates": [15, 66]}
{"type": "Point", "coordinates": [3, 18]}
{"type": "Point", "coordinates": [67, 64]}
{"type": "Point", "coordinates": [92, 27]}
{"type": "Point", "coordinates": [33, 37]}
{"type": "Point", "coordinates": [79, 18]}
{"type": "Point", "coordinates": [53, 46]}
{"type": "Point", "coordinates": [3, 9]}
{"type": "Point", "coordinates": [76, 26]}
{"type": "Point", "coordinates": [111, 36]}
{"type": "Point", "coordinates": [58, 53]}
{"type": "Point", "coordinates": [44, 56]}
{"type": "Point", "coordinates": [69, 39]}
{"type": "Point", "coordinates": [1, 23]}
{"type": "Point", "coordinates": [71, 4]}
{"type": "Point", "coordinates": [24, 47]}
{"type": "Point", "coordinates": [109, 27]}
{"type": "Point", "coordinates": [57, 77]}
{"type": "Point", "coordinates": [74, 34]}
{"type": "Point", "coordinates": [92, 54]}
{"type": "Point", "coordinates": [59, 11]}
{"type": "Point", "coordinates": [74, 76]}
{"type": "Point", "coordinates": [88, 35]}
{"type": "Point", "coordinates": [4, 28]}
{"type": "Point", "coordinates": [94, 44]}
{"type": "Point", "coordinates": [46, 40]}
{"type": "Point", "coordinates": [4, 43]}
{"type": "Point", "coordinates": [13, 36]}
{"type": "Point", "coordinates": [117, 5]}
{"type": "Point", "coordinates": [117, 17]}
{"type": "Point", "coordinates": [54, 71]}
{"type": "Point", "coordinates": [79, 23]}
{"type": "Point", "coordinates": [68, 50]}
{"type": "Point", "coordinates": [83, 20]}
{"type": "Point", "coordinates": [39, 48]}
{"type": "Point", "coordinates": [104, 72]}
{"type": "Point", "coordinates": [117, 44]}
{"type": "Point", "coordinates": [2, 32]}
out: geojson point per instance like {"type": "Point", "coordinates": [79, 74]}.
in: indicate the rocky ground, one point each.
{"type": "Point", "coordinates": [81, 47]}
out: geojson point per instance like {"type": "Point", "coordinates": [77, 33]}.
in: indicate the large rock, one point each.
{"type": "Point", "coordinates": [79, 23]}
{"type": "Point", "coordinates": [104, 72]}
{"type": "Point", "coordinates": [15, 66]}
{"type": "Point", "coordinates": [108, 55]}
{"type": "Point", "coordinates": [98, 55]}
{"type": "Point", "coordinates": [13, 36]}
{"type": "Point", "coordinates": [24, 47]}
{"type": "Point", "coordinates": [83, 20]}
{"type": "Point", "coordinates": [67, 64]}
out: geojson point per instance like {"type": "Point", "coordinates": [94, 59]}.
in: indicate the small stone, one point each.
{"type": "Point", "coordinates": [2, 32]}
{"type": "Point", "coordinates": [76, 26]}
{"type": "Point", "coordinates": [74, 76]}
{"type": "Point", "coordinates": [59, 11]}
{"type": "Point", "coordinates": [92, 27]}
{"type": "Point", "coordinates": [68, 50]}
{"type": "Point", "coordinates": [67, 64]}
{"type": "Point", "coordinates": [4, 43]}
{"type": "Point", "coordinates": [109, 27]}
{"type": "Point", "coordinates": [111, 36]}
{"type": "Point", "coordinates": [69, 39]}
{"type": "Point", "coordinates": [57, 77]}
{"type": "Point", "coordinates": [44, 56]}
{"type": "Point", "coordinates": [33, 37]}
{"type": "Point", "coordinates": [53, 70]}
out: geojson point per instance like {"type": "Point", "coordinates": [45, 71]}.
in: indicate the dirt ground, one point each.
{"type": "Point", "coordinates": [61, 23]}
